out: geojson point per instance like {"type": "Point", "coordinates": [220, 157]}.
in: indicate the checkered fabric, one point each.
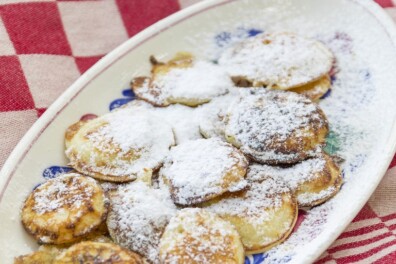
{"type": "Point", "coordinates": [45, 45]}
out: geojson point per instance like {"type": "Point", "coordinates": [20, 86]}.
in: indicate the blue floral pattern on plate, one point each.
{"type": "Point", "coordinates": [129, 96]}
{"type": "Point", "coordinates": [54, 171]}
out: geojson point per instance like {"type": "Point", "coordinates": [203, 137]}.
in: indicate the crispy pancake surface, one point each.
{"type": "Point", "coordinates": [199, 170]}
{"type": "Point", "coordinates": [101, 234]}
{"type": "Point", "coordinates": [182, 80]}
{"type": "Point", "coordinates": [280, 61]}
{"type": "Point", "coordinates": [198, 236]}
{"type": "Point", "coordinates": [212, 116]}
{"type": "Point", "coordinates": [276, 127]}
{"type": "Point", "coordinates": [98, 253]}
{"type": "Point", "coordinates": [314, 90]}
{"type": "Point", "coordinates": [138, 217]}
{"type": "Point", "coordinates": [64, 209]}
{"type": "Point", "coordinates": [119, 146]}
{"type": "Point", "coordinates": [37, 257]}
{"type": "Point", "coordinates": [313, 181]}
{"type": "Point", "coordinates": [264, 215]}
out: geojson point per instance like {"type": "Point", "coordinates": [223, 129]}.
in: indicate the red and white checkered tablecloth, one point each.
{"type": "Point", "coordinates": [45, 45]}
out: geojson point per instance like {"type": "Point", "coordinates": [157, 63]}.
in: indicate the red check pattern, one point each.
{"type": "Point", "coordinates": [45, 45]}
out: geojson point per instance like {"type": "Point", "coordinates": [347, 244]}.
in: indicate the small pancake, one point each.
{"type": "Point", "coordinates": [212, 116]}
{"type": "Point", "coordinates": [182, 118]}
{"type": "Point", "coordinates": [101, 234]}
{"type": "Point", "coordinates": [38, 257]}
{"type": "Point", "coordinates": [138, 215]}
{"type": "Point", "coordinates": [280, 60]}
{"type": "Point", "coordinates": [264, 215]}
{"type": "Point", "coordinates": [64, 209]}
{"type": "Point", "coordinates": [96, 252]}
{"type": "Point", "coordinates": [182, 80]}
{"type": "Point", "coordinates": [313, 181]}
{"type": "Point", "coordinates": [199, 170]}
{"type": "Point", "coordinates": [276, 127]}
{"type": "Point", "coordinates": [314, 90]}
{"type": "Point", "coordinates": [197, 236]}
{"type": "Point", "coordinates": [119, 146]}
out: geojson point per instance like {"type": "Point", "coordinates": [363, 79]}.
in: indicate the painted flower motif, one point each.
{"type": "Point", "coordinates": [55, 171]}
{"type": "Point", "coordinates": [225, 38]}
{"type": "Point", "coordinates": [333, 143]}
{"type": "Point", "coordinates": [256, 258]}
{"type": "Point", "coordinates": [129, 96]}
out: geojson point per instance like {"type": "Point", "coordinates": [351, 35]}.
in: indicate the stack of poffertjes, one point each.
{"type": "Point", "coordinates": [140, 194]}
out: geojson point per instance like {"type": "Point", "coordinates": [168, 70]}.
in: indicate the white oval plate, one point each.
{"type": "Point", "coordinates": [360, 108]}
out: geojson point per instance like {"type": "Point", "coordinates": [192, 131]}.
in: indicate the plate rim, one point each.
{"type": "Point", "coordinates": [24, 145]}
{"type": "Point", "coordinates": [389, 26]}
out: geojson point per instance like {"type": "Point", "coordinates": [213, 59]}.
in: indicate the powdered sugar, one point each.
{"type": "Point", "coordinates": [282, 60]}
{"type": "Point", "coordinates": [109, 186]}
{"type": "Point", "coordinates": [197, 236]}
{"type": "Point", "coordinates": [69, 190]}
{"type": "Point", "coordinates": [138, 217]}
{"type": "Point", "coordinates": [262, 121]}
{"type": "Point", "coordinates": [189, 123]}
{"type": "Point", "coordinates": [183, 119]}
{"type": "Point", "coordinates": [296, 176]}
{"type": "Point", "coordinates": [293, 176]}
{"type": "Point", "coordinates": [307, 198]}
{"type": "Point", "coordinates": [202, 81]}
{"type": "Point", "coordinates": [203, 168]}
{"type": "Point", "coordinates": [136, 140]}
{"type": "Point", "coordinates": [122, 130]}
{"type": "Point", "coordinates": [212, 115]}
{"type": "Point", "coordinates": [255, 204]}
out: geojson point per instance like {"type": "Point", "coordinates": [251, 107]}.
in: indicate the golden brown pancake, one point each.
{"type": "Point", "coordinates": [314, 90]}
{"type": "Point", "coordinates": [313, 181]}
{"type": "Point", "coordinates": [38, 257]}
{"type": "Point", "coordinates": [264, 215]}
{"type": "Point", "coordinates": [138, 215]}
{"type": "Point", "coordinates": [64, 209]}
{"type": "Point", "coordinates": [276, 127]}
{"type": "Point", "coordinates": [96, 252]}
{"type": "Point", "coordinates": [119, 146]}
{"type": "Point", "coordinates": [281, 61]}
{"type": "Point", "coordinates": [199, 170]}
{"type": "Point", "coordinates": [182, 80]}
{"type": "Point", "coordinates": [198, 236]}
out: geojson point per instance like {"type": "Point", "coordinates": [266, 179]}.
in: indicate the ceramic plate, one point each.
{"type": "Point", "coordinates": [360, 106]}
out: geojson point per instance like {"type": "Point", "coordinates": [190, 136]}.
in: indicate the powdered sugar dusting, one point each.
{"type": "Point", "coordinates": [183, 119]}
{"type": "Point", "coordinates": [197, 236]}
{"type": "Point", "coordinates": [283, 60]}
{"type": "Point", "coordinates": [263, 120]}
{"type": "Point", "coordinates": [307, 198]}
{"type": "Point", "coordinates": [197, 169]}
{"type": "Point", "coordinates": [69, 190]}
{"type": "Point", "coordinates": [137, 140]}
{"type": "Point", "coordinates": [253, 203]}
{"type": "Point", "coordinates": [202, 81]}
{"type": "Point", "coordinates": [186, 121]}
{"type": "Point", "coordinates": [293, 176]}
{"type": "Point", "coordinates": [109, 186]}
{"type": "Point", "coordinates": [213, 114]}
{"type": "Point", "coordinates": [138, 217]}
